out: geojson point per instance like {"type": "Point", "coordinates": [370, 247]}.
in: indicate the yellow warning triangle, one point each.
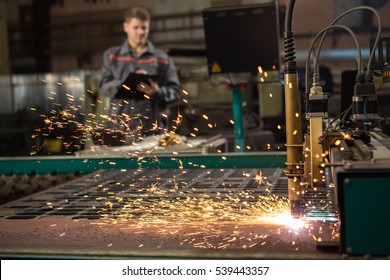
{"type": "Point", "coordinates": [215, 68]}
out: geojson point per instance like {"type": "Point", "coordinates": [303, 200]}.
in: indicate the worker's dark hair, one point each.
{"type": "Point", "coordinates": [137, 12]}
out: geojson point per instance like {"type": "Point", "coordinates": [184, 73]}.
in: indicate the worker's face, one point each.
{"type": "Point", "coordinates": [137, 31]}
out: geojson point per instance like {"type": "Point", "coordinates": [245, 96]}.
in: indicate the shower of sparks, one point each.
{"type": "Point", "coordinates": [197, 219]}
{"type": "Point", "coordinates": [261, 180]}
{"type": "Point", "coordinates": [206, 216]}
{"type": "Point", "coordinates": [170, 209]}
{"type": "Point", "coordinates": [72, 127]}
{"type": "Point", "coordinates": [202, 219]}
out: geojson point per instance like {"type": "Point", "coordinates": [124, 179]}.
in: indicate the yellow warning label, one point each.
{"type": "Point", "coordinates": [215, 68]}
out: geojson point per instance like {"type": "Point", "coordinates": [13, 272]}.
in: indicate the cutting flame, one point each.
{"type": "Point", "coordinates": [284, 218]}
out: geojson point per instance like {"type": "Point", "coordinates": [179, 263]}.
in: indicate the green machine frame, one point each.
{"type": "Point", "coordinates": [363, 197]}
{"type": "Point", "coordinates": [70, 164]}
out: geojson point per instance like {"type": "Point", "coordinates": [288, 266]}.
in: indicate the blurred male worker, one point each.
{"type": "Point", "coordinates": [138, 117]}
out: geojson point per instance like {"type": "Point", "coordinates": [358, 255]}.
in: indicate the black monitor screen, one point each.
{"type": "Point", "coordinates": [242, 38]}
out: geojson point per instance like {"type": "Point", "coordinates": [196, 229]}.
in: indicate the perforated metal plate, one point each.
{"type": "Point", "coordinates": [108, 192]}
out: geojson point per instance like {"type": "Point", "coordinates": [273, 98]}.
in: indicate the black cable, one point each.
{"type": "Point", "coordinates": [288, 19]}
{"type": "Point", "coordinates": [289, 46]}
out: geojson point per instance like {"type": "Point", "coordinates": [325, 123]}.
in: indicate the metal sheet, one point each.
{"type": "Point", "coordinates": [165, 213]}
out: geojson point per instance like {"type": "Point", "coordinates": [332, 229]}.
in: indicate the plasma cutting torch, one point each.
{"type": "Point", "coordinates": [308, 155]}
{"type": "Point", "coordinates": [294, 141]}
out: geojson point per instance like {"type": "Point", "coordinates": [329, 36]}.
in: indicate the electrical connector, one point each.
{"type": "Point", "coordinates": [318, 101]}
{"type": "Point", "coordinates": [364, 101]}
{"type": "Point", "coordinates": [386, 74]}
{"type": "Point", "coordinates": [364, 90]}
{"type": "Point", "coordinates": [318, 106]}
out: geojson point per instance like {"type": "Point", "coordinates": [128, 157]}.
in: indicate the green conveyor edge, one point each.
{"type": "Point", "coordinates": [72, 164]}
